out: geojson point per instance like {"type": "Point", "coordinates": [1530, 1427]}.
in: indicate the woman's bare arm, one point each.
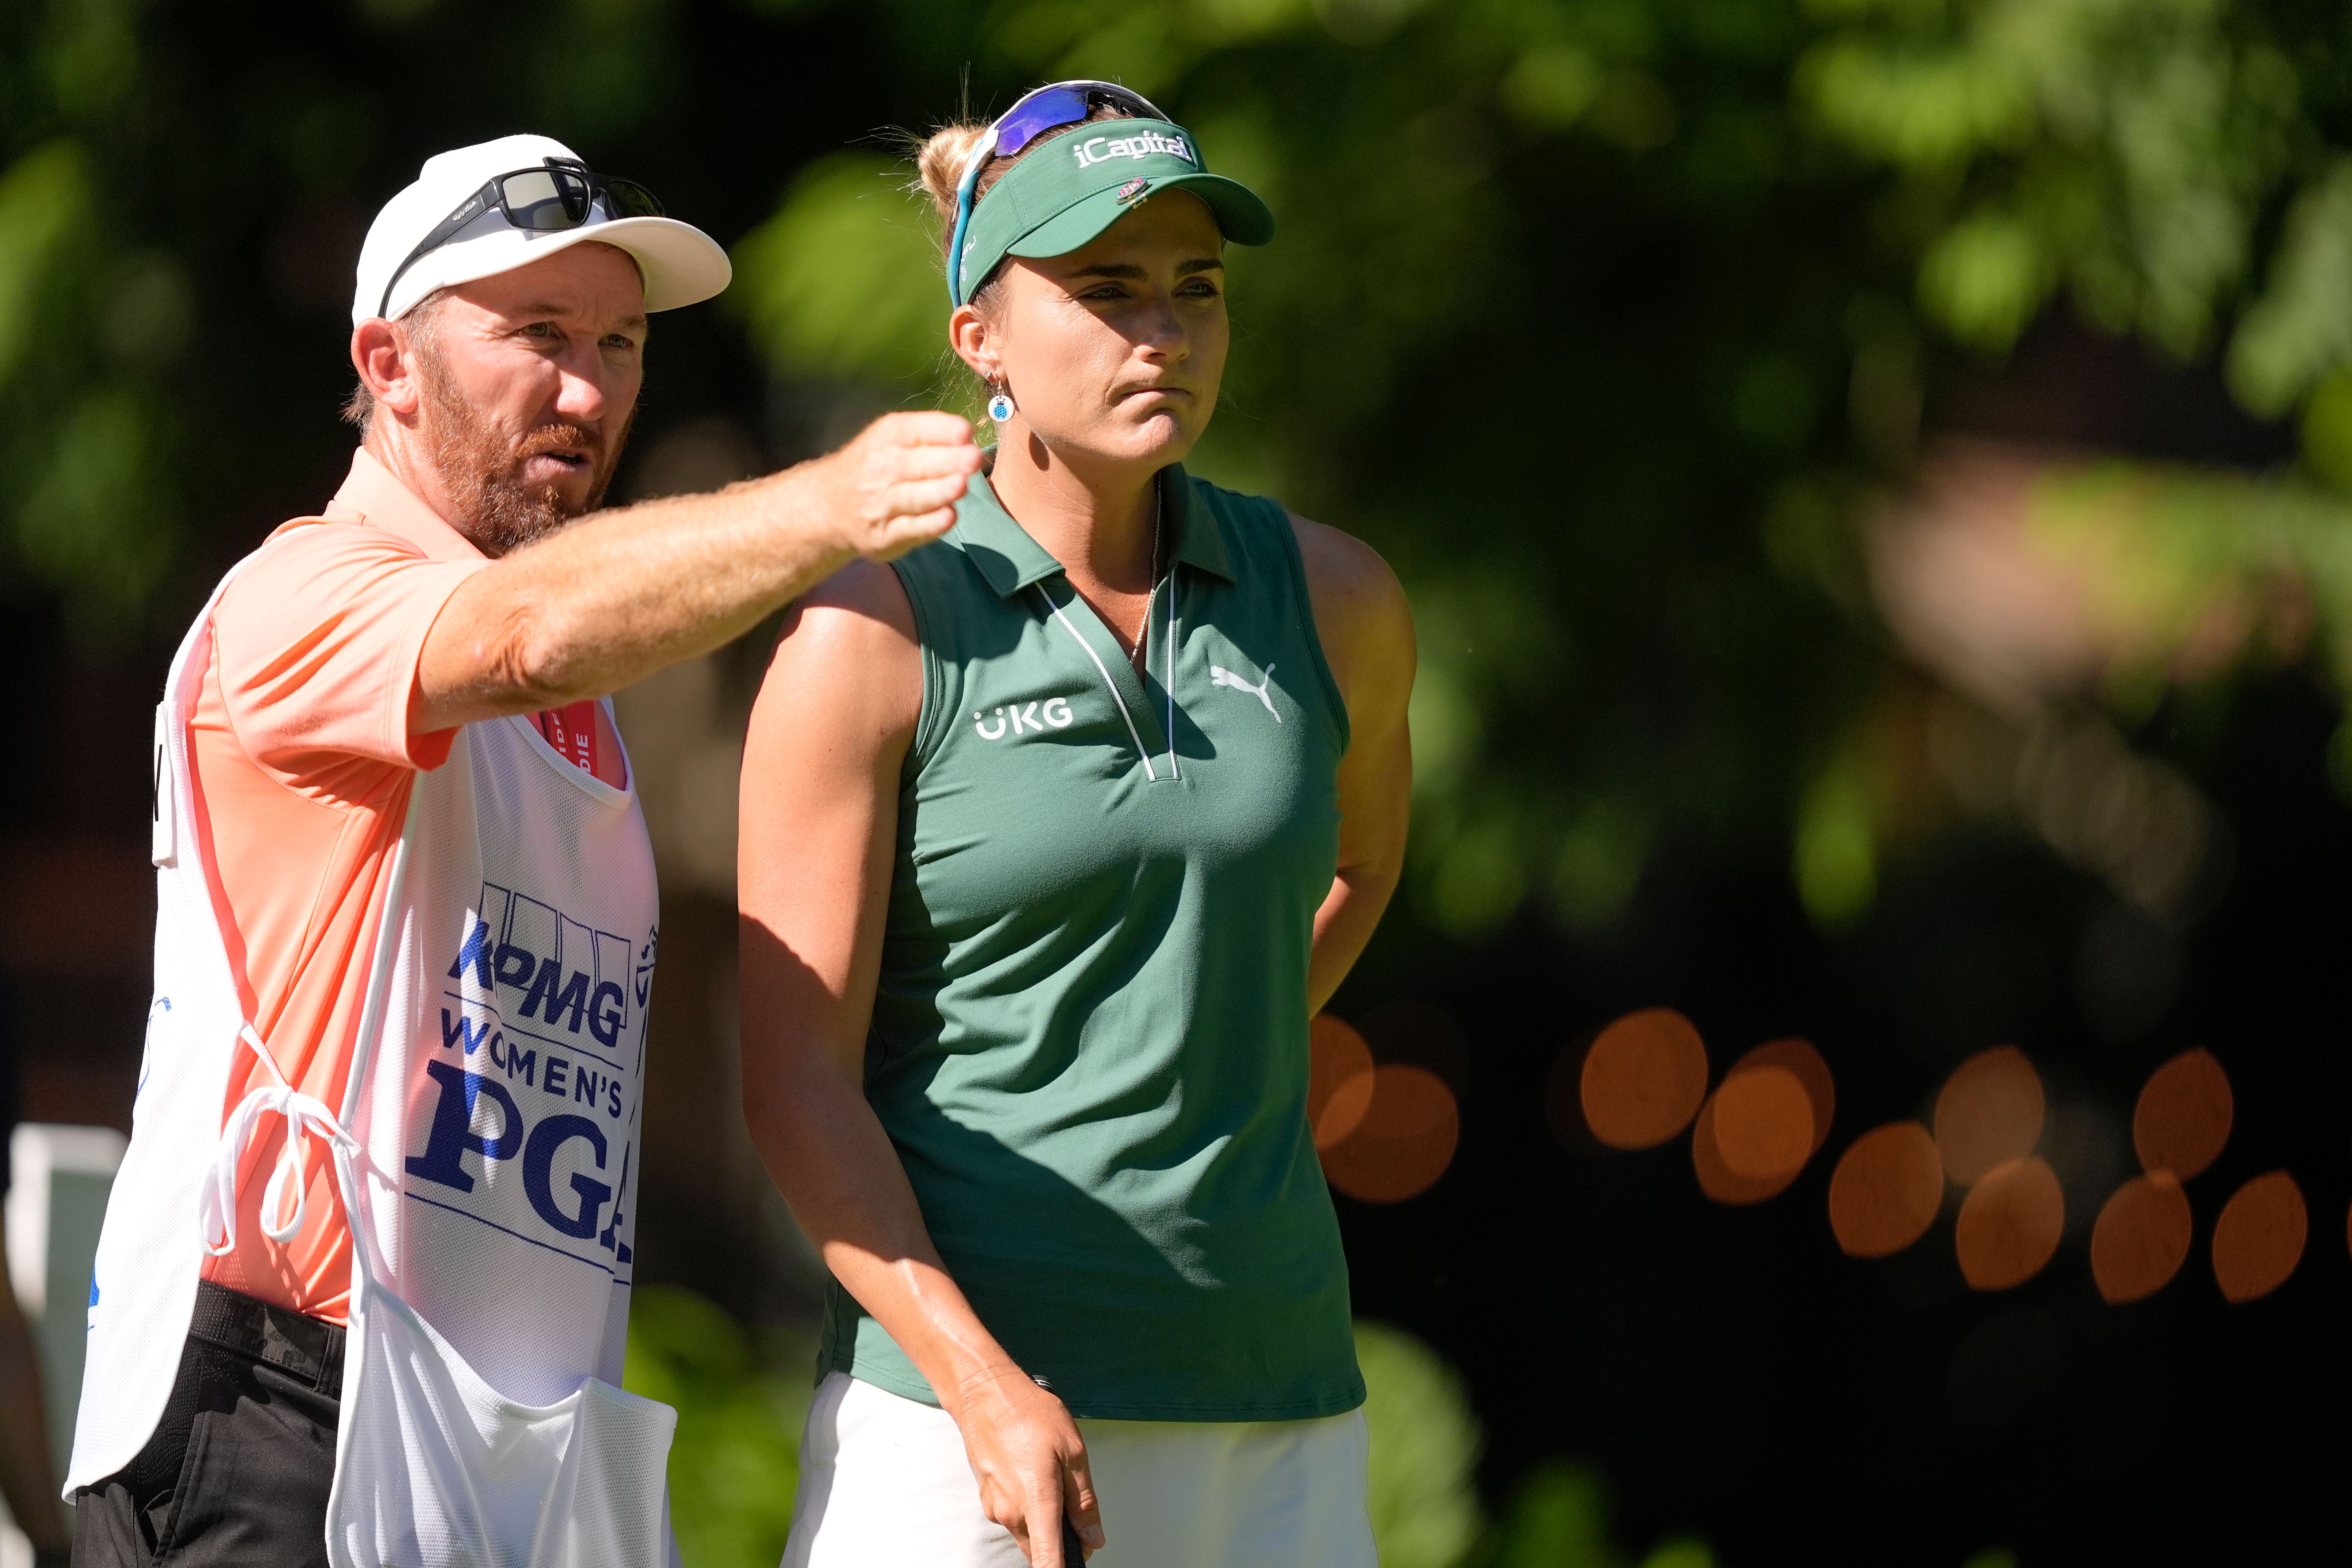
{"type": "Point", "coordinates": [1366, 628]}
{"type": "Point", "coordinates": [821, 767]}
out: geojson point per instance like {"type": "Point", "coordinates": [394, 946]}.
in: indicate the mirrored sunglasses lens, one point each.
{"type": "Point", "coordinates": [1039, 112]}
{"type": "Point", "coordinates": [631, 199]}
{"type": "Point", "coordinates": [545, 200]}
{"type": "Point", "coordinates": [1134, 103]}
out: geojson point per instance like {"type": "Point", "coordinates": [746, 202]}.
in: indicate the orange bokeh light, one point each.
{"type": "Point", "coordinates": [2182, 1119]}
{"type": "Point", "coordinates": [2258, 1238]}
{"type": "Point", "coordinates": [1717, 1179]}
{"type": "Point", "coordinates": [1338, 1078]}
{"type": "Point", "coordinates": [1885, 1190]}
{"type": "Point", "coordinates": [1764, 1123]}
{"type": "Point", "coordinates": [2010, 1224]}
{"type": "Point", "coordinates": [1757, 1131]}
{"type": "Point", "coordinates": [1989, 1111]}
{"type": "Point", "coordinates": [1763, 1132]}
{"type": "Point", "coordinates": [1344, 1112]}
{"type": "Point", "coordinates": [1643, 1079]}
{"type": "Point", "coordinates": [1403, 1139]}
{"type": "Point", "coordinates": [2141, 1238]}
{"type": "Point", "coordinates": [1800, 1057]}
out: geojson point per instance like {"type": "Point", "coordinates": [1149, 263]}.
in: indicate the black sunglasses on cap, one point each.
{"type": "Point", "coordinates": [548, 200]}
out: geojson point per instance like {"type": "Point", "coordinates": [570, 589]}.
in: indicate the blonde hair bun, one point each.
{"type": "Point", "coordinates": [940, 162]}
{"type": "Point", "coordinates": [941, 157]}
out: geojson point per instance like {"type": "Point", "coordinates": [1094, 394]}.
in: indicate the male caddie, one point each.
{"type": "Point", "coordinates": [363, 1285]}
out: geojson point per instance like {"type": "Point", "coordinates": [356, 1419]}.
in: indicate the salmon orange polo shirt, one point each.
{"type": "Point", "coordinates": [303, 764]}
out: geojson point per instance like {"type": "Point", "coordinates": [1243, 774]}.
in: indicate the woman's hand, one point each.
{"type": "Point", "coordinates": [1030, 1461]}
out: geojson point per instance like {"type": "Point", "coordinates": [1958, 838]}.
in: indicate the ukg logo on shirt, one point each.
{"type": "Point", "coordinates": [1024, 719]}
{"type": "Point", "coordinates": [542, 1050]}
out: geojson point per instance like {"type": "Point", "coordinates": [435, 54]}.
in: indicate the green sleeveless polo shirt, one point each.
{"type": "Point", "coordinates": [1090, 1036]}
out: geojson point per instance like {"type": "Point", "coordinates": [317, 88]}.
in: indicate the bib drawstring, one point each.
{"type": "Point", "coordinates": [1109, 684]}
{"type": "Point", "coordinates": [1175, 615]}
{"type": "Point", "coordinates": [305, 1118]}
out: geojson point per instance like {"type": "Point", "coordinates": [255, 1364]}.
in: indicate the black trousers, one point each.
{"type": "Point", "coordinates": [241, 1462]}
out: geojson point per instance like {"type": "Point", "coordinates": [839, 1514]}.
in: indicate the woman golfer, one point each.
{"type": "Point", "coordinates": [1054, 836]}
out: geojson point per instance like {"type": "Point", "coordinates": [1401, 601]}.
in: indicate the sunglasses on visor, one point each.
{"type": "Point", "coordinates": [546, 200]}
{"type": "Point", "coordinates": [1049, 108]}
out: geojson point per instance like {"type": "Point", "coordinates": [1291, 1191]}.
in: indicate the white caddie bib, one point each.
{"type": "Point", "coordinates": [488, 1150]}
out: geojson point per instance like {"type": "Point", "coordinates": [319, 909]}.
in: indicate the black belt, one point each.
{"type": "Point", "coordinates": [297, 1344]}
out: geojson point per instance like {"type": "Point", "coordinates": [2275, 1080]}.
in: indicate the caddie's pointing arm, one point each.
{"type": "Point", "coordinates": [621, 593]}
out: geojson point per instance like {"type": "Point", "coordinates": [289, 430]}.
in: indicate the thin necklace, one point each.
{"type": "Point", "coordinates": [1143, 630]}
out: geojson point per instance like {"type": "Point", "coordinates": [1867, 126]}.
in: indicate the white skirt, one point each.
{"type": "Point", "coordinates": [884, 1484]}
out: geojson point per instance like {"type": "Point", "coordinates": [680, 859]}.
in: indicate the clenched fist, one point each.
{"type": "Point", "coordinates": [896, 485]}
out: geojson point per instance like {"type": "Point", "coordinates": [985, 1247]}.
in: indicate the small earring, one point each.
{"type": "Point", "coordinates": [1000, 404]}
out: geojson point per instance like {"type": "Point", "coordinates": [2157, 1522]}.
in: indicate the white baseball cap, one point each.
{"type": "Point", "coordinates": [681, 265]}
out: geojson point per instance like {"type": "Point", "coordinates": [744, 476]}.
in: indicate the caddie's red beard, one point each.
{"type": "Point", "coordinates": [481, 468]}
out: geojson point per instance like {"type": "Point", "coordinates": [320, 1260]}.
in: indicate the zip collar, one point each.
{"type": "Point", "coordinates": [1011, 561]}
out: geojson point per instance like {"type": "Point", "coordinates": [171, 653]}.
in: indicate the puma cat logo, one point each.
{"type": "Point", "coordinates": [1220, 676]}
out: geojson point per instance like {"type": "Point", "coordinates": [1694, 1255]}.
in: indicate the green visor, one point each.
{"type": "Point", "coordinates": [1070, 188]}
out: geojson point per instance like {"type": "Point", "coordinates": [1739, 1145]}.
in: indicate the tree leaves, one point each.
{"type": "Point", "coordinates": [2301, 329]}
{"type": "Point", "coordinates": [44, 202]}
{"type": "Point", "coordinates": [845, 281]}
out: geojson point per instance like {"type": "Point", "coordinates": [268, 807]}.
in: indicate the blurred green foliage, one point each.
{"type": "Point", "coordinates": [878, 318]}
{"type": "Point", "coordinates": [1559, 1519]}
{"type": "Point", "coordinates": [2125, 150]}
{"type": "Point", "coordinates": [735, 1460]}
{"type": "Point", "coordinates": [1568, 302]}
{"type": "Point", "coordinates": [1424, 1446]}
{"type": "Point", "coordinates": [83, 329]}
{"type": "Point", "coordinates": [1598, 317]}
